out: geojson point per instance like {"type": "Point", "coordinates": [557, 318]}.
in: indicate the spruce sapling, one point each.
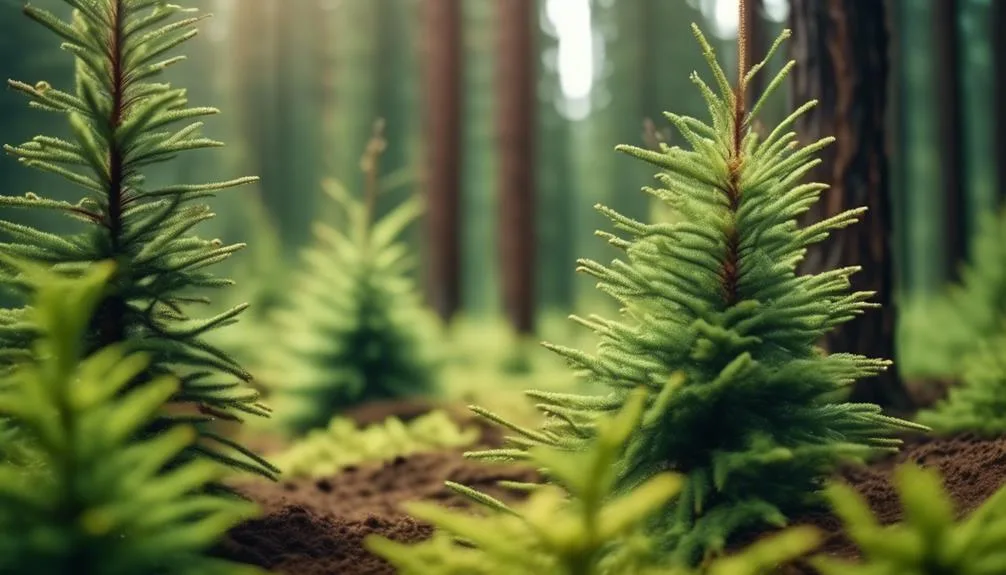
{"type": "Point", "coordinates": [123, 121]}
{"type": "Point", "coordinates": [354, 329]}
{"type": "Point", "coordinates": [583, 532]}
{"type": "Point", "coordinates": [722, 332]}
{"type": "Point", "coordinates": [95, 498]}
{"type": "Point", "coordinates": [929, 541]}
{"type": "Point", "coordinates": [978, 403]}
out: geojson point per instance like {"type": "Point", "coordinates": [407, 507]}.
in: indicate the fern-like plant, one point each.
{"type": "Point", "coordinates": [929, 541]}
{"type": "Point", "coordinates": [978, 403]}
{"type": "Point", "coordinates": [722, 332]}
{"type": "Point", "coordinates": [584, 532]}
{"type": "Point", "coordinates": [97, 500]}
{"type": "Point", "coordinates": [123, 121]}
{"type": "Point", "coordinates": [354, 330]}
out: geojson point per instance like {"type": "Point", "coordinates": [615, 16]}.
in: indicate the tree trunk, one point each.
{"type": "Point", "coordinates": [443, 110]}
{"type": "Point", "coordinates": [515, 128]}
{"type": "Point", "coordinates": [841, 52]}
{"type": "Point", "coordinates": [756, 49]}
{"type": "Point", "coordinates": [998, 34]}
{"type": "Point", "coordinates": [950, 137]}
{"type": "Point", "coordinates": [896, 140]}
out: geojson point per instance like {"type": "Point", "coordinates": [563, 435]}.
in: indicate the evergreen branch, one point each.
{"type": "Point", "coordinates": [118, 120]}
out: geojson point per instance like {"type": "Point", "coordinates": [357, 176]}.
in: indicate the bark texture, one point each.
{"type": "Point", "coordinates": [841, 53]}
{"type": "Point", "coordinates": [515, 129]}
{"type": "Point", "coordinates": [443, 112]}
{"type": "Point", "coordinates": [757, 46]}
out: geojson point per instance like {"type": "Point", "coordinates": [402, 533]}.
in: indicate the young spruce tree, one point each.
{"type": "Point", "coordinates": [355, 329]}
{"type": "Point", "coordinates": [944, 333]}
{"type": "Point", "coordinates": [123, 121]}
{"type": "Point", "coordinates": [978, 403]}
{"type": "Point", "coordinates": [719, 328]}
{"type": "Point", "coordinates": [585, 531]}
{"type": "Point", "coordinates": [94, 498]}
{"type": "Point", "coordinates": [930, 540]}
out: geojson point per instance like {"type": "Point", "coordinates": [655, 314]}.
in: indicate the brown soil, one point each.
{"type": "Point", "coordinates": [317, 527]}
{"type": "Point", "coordinates": [972, 468]}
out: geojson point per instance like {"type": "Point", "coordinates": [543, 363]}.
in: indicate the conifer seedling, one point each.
{"type": "Point", "coordinates": [355, 329]}
{"type": "Point", "coordinates": [944, 331]}
{"type": "Point", "coordinates": [978, 403]}
{"type": "Point", "coordinates": [582, 532]}
{"type": "Point", "coordinates": [96, 499]}
{"type": "Point", "coordinates": [123, 120]}
{"type": "Point", "coordinates": [929, 541]}
{"type": "Point", "coordinates": [722, 332]}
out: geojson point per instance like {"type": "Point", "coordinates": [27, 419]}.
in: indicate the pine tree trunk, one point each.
{"type": "Point", "coordinates": [841, 53]}
{"type": "Point", "coordinates": [297, 139]}
{"type": "Point", "coordinates": [443, 110]}
{"type": "Point", "coordinates": [394, 95]}
{"type": "Point", "coordinates": [515, 128]}
{"type": "Point", "coordinates": [998, 34]}
{"type": "Point", "coordinates": [897, 124]}
{"type": "Point", "coordinates": [950, 137]}
{"type": "Point", "coordinates": [756, 48]}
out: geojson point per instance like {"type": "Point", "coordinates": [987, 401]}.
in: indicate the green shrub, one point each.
{"type": "Point", "coordinates": [122, 121]}
{"type": "Point", "coordinates": [720, 330]}
{"type": "Point", "coordinates": [324, 452]}
{"type": "Point", "coordinates": [930, 541]}
{"type": "Point", "coordinates": [978, 403]}
{"type": "Point", "coordinates": [940, 333]}
{"type": "Point", "coordinates": [584, 532]}
{"type": "Point", "coordinates": [354, 330]}
{"type": "Point", "coordinates": [98, 500]}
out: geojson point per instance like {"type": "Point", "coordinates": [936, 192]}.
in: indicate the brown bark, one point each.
{"type": "Point", "coordinates": [950, 138]}
{"type": "Point", "coordinates": [515, 128]}
{"type": "Point", "coordinates": [841, 53]}
{"type": "Point", "coordinates": [998, 34]}
{"type": "Point", "coordinates": [897, 123]}
{"type": "Point", "coordinates": [443, 113]}
{"type": "Point", "coordinates": [756, 48]}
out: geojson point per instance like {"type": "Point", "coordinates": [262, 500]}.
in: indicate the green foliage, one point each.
{"type": "Point", "coordinates": [941, 332]}
{"type": "Point", "coordinates": [324, 452]}
{"type": "Point", "coordinates": [548, 534]}
{"type": "Point", "coordinates": [978, 403]}
{"type": "Point", "coordinates": [929, 541]}
{"type": "Point", "coordinates": [927, 326]}
{"type": "Point", "coordinates": [101, 501]}
{"type": "Point", "coordinates": [355, 329]}
{"type": "Point", "coordinates": [122, 122]}
{"type": "Point", "coordinates": [584, 532]}
{"type": "Point", "coordinates": [720, 330]}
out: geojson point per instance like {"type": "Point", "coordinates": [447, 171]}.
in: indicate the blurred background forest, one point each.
{"type": "Point", "coordinates": [506, 113]}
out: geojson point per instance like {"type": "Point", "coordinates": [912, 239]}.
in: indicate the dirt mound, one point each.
{"type": "Point", "coordinates": [316, 527]}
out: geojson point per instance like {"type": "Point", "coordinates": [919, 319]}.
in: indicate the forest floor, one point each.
{"type": "Point", "coordinates": [316, 526]}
